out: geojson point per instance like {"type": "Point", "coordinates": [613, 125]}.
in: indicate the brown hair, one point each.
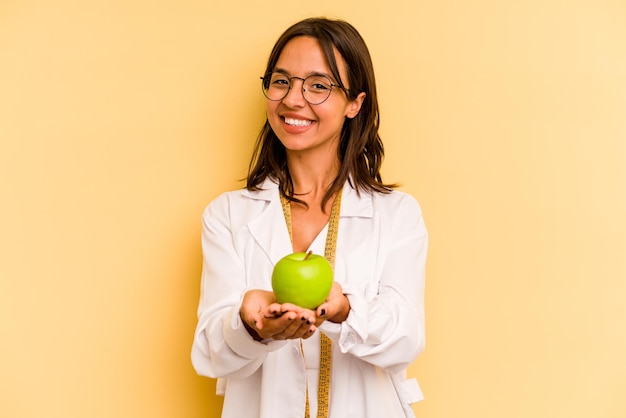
{"type": "Point", "coordinates": [360, 148]}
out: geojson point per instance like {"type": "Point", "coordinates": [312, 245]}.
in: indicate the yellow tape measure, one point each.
{"type": "Point", "coordinates": [323, 385]}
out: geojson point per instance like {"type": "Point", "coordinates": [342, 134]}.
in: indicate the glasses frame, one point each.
{"type": "Point", "coordinates": [267, 76]}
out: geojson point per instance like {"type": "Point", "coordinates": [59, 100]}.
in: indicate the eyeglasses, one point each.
{"type": "Point", "coordinates": [316, 89]}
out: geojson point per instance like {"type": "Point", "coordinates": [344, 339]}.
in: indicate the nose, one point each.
{"type": "Point", "coordinates": [295, 95]}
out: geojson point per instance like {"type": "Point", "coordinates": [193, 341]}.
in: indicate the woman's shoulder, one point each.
{"type": "Point", "coordinates": [243, 196]}
{"type": "Point", "coordinates": [400, 211]}
{"type": "Point", "coordinates": [396, 198]}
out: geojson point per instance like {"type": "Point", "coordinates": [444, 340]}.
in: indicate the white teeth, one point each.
{"type": "Point", "coordinates": [297, 122]}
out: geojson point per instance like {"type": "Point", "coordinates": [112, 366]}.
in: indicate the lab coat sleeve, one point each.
{"type": "Point", "coordinates": [222, 347]}
{"type": "Point", "coordinates": [387, 329]}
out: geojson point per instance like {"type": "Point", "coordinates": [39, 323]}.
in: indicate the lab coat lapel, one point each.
{"type": "Point", "coordinates": [355, 205]}
{"type": "Point", "coordinates": [269, 229]}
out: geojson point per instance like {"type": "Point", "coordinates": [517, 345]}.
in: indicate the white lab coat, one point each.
{"type": "Point", "coordinates": [380, 262]}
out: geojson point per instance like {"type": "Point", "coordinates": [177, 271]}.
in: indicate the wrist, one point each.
{"type": "Point", "coordinates": [343, 312]}
{"type": "Point", "coordinates": [253, 333]}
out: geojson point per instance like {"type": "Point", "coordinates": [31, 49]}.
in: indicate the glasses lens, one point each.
{"type": "Point", "coordinates": [317, 89]}
{"type": "Point", "coordinates": [275, 86]}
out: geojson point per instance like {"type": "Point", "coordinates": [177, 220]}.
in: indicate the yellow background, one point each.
{"type": "Point", "coordinates": [120, 120]}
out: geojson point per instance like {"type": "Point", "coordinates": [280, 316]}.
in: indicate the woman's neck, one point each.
{"type": "Point", "coordinates": [312, 177]}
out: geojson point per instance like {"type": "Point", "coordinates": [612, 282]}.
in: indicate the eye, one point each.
{"type": "Point", "coordinates": [279, 81]}
{"type": "Point", "coordinates": [320, 87]}
{"type": "Point", "coordinates": [317, 84]}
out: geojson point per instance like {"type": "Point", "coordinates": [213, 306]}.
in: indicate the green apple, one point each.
{"type": "Point", "coordinates": [303, 279]}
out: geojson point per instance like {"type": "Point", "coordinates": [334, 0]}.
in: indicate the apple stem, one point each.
{"type": "Point", "coordinates": [308, 254]}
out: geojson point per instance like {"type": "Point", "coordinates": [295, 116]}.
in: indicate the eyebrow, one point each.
{"type": "Point", "coordinates": [317, 73]}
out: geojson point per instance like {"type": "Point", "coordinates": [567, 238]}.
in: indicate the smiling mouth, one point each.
{"type": "Point", "coordinates": [297, 122]}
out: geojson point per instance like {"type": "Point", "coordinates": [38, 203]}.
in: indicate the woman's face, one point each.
{"type": "Point", "coordinates": [299, 125]}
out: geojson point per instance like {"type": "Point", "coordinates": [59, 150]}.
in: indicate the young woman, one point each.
{"type": "Point", "coordinates": [314, 184]}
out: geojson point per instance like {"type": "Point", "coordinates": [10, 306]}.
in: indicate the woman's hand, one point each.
{"type": "Point", "coordinates": [265, 318]}
{"type": "Point", "coordinates": [336, 308]}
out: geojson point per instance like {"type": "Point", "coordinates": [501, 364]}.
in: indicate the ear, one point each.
{"type": "Point", "coordinates": [355, 106]}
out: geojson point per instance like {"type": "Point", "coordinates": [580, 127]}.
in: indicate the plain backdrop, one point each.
{"type": "Point", "coordinates": [120, 121]}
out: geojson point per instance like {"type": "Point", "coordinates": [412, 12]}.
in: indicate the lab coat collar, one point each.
{"type": "Point", "coordinates": [353, 204]}
{"type": "Point", "coordinates": [269, 229]}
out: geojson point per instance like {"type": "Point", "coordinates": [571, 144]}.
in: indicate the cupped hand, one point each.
{"type": "Point", "coordinates": [265, 318]}
{"type": "Point", "coordinates": [288, 321]}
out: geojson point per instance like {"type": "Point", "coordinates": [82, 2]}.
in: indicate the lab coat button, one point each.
{"type": "Point", "coordinates": [350, 338]}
